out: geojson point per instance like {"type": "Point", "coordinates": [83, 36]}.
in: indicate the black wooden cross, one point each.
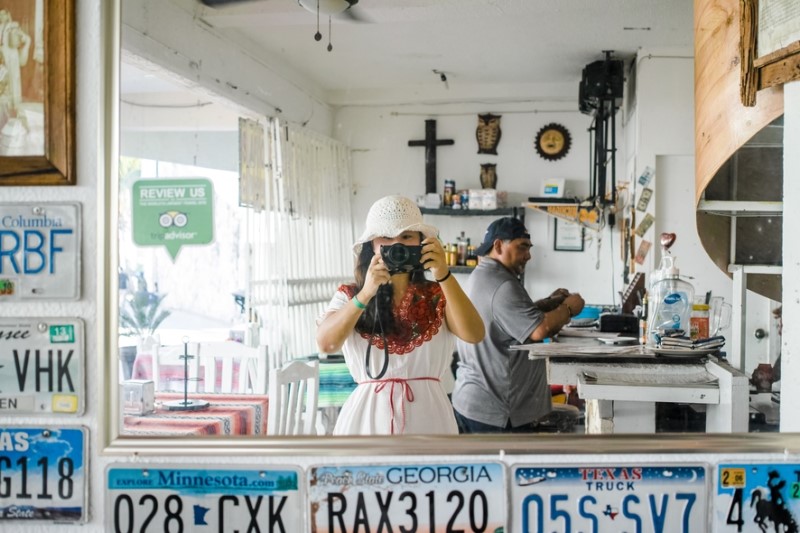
{"type": "Point", "coordinates": [430, 143]}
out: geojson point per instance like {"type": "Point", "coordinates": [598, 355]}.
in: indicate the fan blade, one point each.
{"type": "Point", "coordinates": [354, 14]}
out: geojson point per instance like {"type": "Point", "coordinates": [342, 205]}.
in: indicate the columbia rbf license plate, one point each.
{"type": "Point", "coordinates": [43, 474]}
{"type": "Point", "coordinates": [40, 251]}
{"type": "Point", "coordinates": [172, 499]}
{"type": "Point", "coordinates": [642, 499]}
{"type": "Point", "coordinates": [429, 498]}
{"type": "Point", "coordinates": [757, 497]}
{"type": "Point", "coordinates": [41, 366]}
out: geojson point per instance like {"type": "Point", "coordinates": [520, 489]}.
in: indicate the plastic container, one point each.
{"type": "Point", "coordinates": [672, 300]}
{"type": "Point", "coordinates": [699, 322]}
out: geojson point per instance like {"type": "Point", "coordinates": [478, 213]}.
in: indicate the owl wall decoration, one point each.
{"type": "Point", "coordinates": [488, 133]}
{"type": "Point", "coordinates": [489, 175]}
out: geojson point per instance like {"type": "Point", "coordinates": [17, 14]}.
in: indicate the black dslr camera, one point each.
{"type": "Point", "coordinates": [401, 258]}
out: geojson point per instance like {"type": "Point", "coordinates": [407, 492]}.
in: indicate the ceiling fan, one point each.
{"type": "Point", "coordinates": [330, 8]}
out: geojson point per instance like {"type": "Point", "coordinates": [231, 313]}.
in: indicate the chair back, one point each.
{"type": "Point", "coordinates": [293, 396]}
{"type": "Point", "coordinates": [233, 367]}
{"type": "Point", "coordinates": [170, 366]}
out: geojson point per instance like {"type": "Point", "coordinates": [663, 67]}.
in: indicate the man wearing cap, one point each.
{"type": "Point", "coordinates": [498, 389]}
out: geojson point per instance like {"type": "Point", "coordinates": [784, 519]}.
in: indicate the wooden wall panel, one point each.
{"type": "Point", "coordinates": [722, 123]}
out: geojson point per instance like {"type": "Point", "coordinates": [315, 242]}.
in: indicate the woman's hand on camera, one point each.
{"type": "Point", "coordinates": [433, 258]}
{"type": "Point", "coordinates": [377, 275]}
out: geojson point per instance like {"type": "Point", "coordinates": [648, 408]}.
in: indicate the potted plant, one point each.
{"type": "Point", "coordinates": [140, 315]}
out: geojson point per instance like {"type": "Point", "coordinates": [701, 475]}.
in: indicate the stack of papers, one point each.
{"type": "Point", "coordinates": [686, 343]}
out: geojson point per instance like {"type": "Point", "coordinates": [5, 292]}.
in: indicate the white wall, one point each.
{"type": "Point", "coordinates": [383, 163]}
{"type": "Point", "coordinates": [662, 130]}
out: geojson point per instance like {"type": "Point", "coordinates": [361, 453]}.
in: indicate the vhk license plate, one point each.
{"type": "Point", "coordinates": [758, 498]}
{"type": "Point", "coordinates": [427, 498]}
{"type": "Point", "coordinates": [644, 499]}
{"type": "Point", "coordinates": [181, 498]}
{"type": "Point", "coordinates": [42, 474]}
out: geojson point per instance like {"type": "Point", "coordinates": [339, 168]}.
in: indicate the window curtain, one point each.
{"type": "Point", "coordinates": [300, 245]}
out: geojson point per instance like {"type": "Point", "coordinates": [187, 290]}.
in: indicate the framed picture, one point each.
{"type": "Point", "coordinates": [769, 45]}
{"type": "Point", "coordinates": [37, 92]}
{"type": "Point", "coordinates": [569, 236]}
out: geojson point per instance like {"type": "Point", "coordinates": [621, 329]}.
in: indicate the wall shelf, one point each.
{"type": "Point", "coordinates": [447, 211]}
{"type": "Point", "coordinates": [588, 216]}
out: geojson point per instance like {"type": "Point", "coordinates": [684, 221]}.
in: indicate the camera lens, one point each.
{"type": "Point", "coordinates": [398, 254]}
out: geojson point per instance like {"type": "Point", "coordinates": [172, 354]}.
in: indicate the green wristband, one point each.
{"type": "Point", "coordinates": [358, 303]}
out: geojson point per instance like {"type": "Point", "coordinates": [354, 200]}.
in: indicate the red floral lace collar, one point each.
{"type": "Point", "coordinates": [419, 316]}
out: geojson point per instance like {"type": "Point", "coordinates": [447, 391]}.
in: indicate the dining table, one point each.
{"type": "Point", "coordinates": [226, 414]}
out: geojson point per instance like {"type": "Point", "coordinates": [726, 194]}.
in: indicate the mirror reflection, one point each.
{"type": "Point", "coordinates": [236, 230]}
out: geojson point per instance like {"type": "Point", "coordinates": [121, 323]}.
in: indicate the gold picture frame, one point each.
{"type": "Point", "coordinates": [56, 165]}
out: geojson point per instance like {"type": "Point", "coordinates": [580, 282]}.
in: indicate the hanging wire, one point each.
{"type": "Point", "coordinates": [318, 35]}
{"type": "Point", "coordinates": [330, 46]}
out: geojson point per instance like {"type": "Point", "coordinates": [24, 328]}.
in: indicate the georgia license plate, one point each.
{"type": "Point", "coordinates": [663, 499]}
{"type": "Point", "coordinates": [41, 366]}
{"type": "Point", "coordinates": [184, 498]}
{"type": "Point", "coordinates": [757, 497]}
{"type": "Point", "coordinates": [406, 497]}
{"type": "Point", "coordinates": [42, 474]}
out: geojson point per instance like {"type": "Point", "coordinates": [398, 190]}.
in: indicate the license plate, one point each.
{"type": "Point", "coordinates": [757, 497]}
{"type": "Point", "coordinates": [407, 497]}
{"type": "Point", "coordinates": [664, 499]}
{"type": "Point", "coordinates": [42, 474]}
{"type": "Point", "coordinates": [41, 366]}
{"type": "Point", "coordinates": [184, 498]}
{"type": "Point", "coordinates": [40, 251]}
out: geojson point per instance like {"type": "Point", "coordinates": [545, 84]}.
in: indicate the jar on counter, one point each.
{"type": "Point", "coordinates": [698, 322]}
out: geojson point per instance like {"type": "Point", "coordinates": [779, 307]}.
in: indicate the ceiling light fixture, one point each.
{"type": "Point", "coordinates": [329, 8]}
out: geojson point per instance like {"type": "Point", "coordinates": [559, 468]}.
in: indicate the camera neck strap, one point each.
{"type": "Point", "coordinates": [385, 366]}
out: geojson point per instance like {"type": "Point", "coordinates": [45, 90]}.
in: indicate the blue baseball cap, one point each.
{"type": "Point", "coordinates": [506, 229]}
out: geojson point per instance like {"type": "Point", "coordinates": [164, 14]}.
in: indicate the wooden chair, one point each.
{"type": "Point", "coordinates": [168, 366]}
{"type": "Point", "coordinates": [233, 367]}
{"type": "Point", "coordinates": [293, 395]}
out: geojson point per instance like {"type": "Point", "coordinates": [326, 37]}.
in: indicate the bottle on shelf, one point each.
{"type": "Point", "coordinates": [472, 257]}
{"type": "Point", "coordinates": [461, 243]}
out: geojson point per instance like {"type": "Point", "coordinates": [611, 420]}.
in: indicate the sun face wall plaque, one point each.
{"type": "Point", "coordinates": [553, 142]}
{"type": "Point", "coordinates": [488, 133]}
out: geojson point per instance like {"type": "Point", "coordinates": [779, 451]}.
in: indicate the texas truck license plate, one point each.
{"type": "Point", "coordinates": [42, 474]}
{"type": "Point", "coordinates": [662, 499]}
{"type": "Point", "coordinates": [427, 498]}
{"type": "Point", "coordinates": [757, 497]}
{"type": "Point", "coordinates": [177, 498]}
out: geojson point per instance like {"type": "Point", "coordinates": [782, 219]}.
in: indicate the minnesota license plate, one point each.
{"type": "Point", "coordinates": [407, 497]}
{"type": "Point", "coordinates": [662, 499]}
{"type": "Point", "coordinates": [42, 474]}
{"type": "Point", "coordinates": [184, 498]}
{"type": "Point", "coordinates": [757, 497]}
{"type": "Point", "coordinates": [41, 366]}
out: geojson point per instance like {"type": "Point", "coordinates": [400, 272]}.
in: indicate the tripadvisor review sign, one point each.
{"type": "Point", "coordinates": [173, 213]}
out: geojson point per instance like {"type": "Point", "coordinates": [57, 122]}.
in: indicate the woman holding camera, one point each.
{"type": "Point", "coordinates": [397, 330]}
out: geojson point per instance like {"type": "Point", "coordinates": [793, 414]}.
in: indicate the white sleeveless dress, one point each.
{"type": "Point", "coordinates": [410, 398]}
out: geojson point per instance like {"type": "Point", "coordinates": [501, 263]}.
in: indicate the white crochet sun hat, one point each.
{"type": "Point", "coordinates": [389, 217]}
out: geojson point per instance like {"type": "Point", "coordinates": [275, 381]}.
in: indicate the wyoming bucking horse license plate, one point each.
{"type": "Point", "coordinates": [758, 498]}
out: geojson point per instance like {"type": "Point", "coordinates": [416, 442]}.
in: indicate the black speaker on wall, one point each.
{"type": "Point", "coordinates": [602, 83]}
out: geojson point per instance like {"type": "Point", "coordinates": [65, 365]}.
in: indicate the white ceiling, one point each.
{"type": "Point", "coordinates": [474, 42]}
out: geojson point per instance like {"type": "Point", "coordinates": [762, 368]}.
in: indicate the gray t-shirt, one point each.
{"type": "Point", "coordinates": [495, 384]}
